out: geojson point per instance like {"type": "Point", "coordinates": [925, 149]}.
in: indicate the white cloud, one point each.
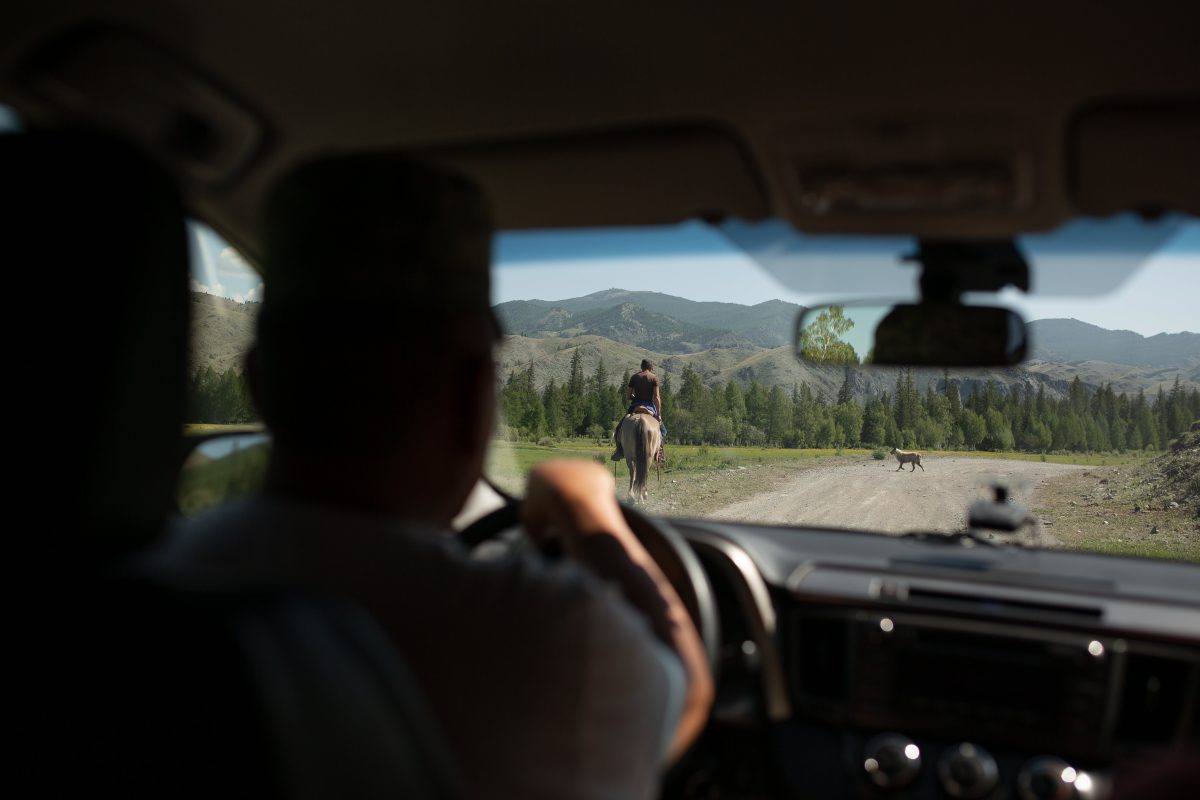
{"type": "Point", "coordinates": [217, 288]}
{"type": "Point", "coordinates": [252, 296]}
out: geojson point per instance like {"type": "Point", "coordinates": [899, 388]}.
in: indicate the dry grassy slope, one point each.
{"type": "Point", "coordinates": [1123, 377]}
{"type": "Point", "coordinates": [1175, 475]}
{"type": "Point", "coordinates": [222, 331]}
{"type": "Point", "coordinates": [551, 359]}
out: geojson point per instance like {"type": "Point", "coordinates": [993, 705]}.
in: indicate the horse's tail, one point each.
{"type": "Point", "coordinates": [641, 456]}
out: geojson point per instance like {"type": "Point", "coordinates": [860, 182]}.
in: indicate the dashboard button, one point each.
{"type": "Point", "coordinates": [891, 761]}
{"type": "Point", "coordinates": [967, 771]}
{"type": "Point", "coordinates": [1049, 778]}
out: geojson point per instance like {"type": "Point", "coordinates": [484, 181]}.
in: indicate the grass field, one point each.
{"type": "Point", "coordinates": [508, 462]}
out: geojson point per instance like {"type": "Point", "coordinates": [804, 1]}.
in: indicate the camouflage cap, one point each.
{"type": "Point", "coordinates": [358, 234]}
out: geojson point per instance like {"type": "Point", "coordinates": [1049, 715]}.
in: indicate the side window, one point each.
{"type": "Point", "coordinates": [229, 448]}
{"type": "Point", "coordinates": [226, 294]}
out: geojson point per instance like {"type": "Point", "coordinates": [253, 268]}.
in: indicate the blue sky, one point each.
{"type": "Point", "coordinates": [217, 268]}
{"type": "Point", "coordinates": [1154, 273]}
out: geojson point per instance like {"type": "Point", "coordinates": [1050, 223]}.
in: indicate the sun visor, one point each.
{"type": "Point", "coordinates": [650, 176]}
{"type": "Point", "coordinates": [1142, 157]}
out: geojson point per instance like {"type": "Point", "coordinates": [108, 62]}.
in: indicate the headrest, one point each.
{"type": "Point", "coordinates": [97, 255]}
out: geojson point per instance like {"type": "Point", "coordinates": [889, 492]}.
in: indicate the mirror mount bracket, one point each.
{"type": "Point", "coordinates": [951, 268]}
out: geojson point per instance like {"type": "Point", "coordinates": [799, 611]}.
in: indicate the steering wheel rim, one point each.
{"type": "Point", "coordinates": [665, 545]}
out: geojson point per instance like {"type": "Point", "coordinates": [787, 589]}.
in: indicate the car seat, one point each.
{"type": "Point", "coordinates": [127, 683]}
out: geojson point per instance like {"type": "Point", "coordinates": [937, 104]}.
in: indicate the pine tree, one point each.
{"type": "Point", "coordinates": [552, 402]}
{"type": "Point", "coordinates": [845, 394]}
{"type": "Point", "coordinates": [735, 404]}
{"type": "Point", "coordinates": [533, 417]}
{"type": "Point", "coordinates": [574, 410]}
{"type": "Point", "coordinates": [779, 416]}
{"type": "Point", "coordinates": [906, 400]}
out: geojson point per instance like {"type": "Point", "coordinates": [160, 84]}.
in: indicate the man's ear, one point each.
{"type": "Point", "coordinates": [476, 405]}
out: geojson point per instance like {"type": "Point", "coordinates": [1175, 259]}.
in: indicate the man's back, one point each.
{"type": "Point", "coordinates": [644, 384]}
{"type": "Point", "coordinates": [546, 683]}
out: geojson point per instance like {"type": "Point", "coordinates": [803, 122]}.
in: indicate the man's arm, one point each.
{"type": "Point", "coordinates": [658, 401]}
{"type": "Point", "coordinates": [575, 501]}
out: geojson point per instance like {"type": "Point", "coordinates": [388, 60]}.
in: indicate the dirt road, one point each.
{"type": "Point", "coordinates": [873, 495]}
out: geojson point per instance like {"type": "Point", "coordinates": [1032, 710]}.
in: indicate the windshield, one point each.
{"type": "Point", "coordinates": [1093, 434]}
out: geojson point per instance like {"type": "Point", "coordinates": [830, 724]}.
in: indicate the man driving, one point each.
{"type": "Point", "coordinates": [642, 392]}
{"type": "Point", "coordinates": [582, 678]}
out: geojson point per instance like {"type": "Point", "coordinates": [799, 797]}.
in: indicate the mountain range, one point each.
{"type": "Point", "coordinates": [1070, 340]}
{"type": "Point", "coordinates": [649, 318]}
{"type": "Point", "coordinates": [728, 341]}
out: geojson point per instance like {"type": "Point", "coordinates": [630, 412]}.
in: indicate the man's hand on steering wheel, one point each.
{"type": "Point", "coordinates": [568, 500]}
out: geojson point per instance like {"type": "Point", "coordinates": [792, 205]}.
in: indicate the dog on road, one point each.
{"type": "Point", "coordinates": [907, 457]}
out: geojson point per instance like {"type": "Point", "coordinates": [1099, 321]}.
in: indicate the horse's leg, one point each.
{"type": "Point", "coordinates": [629, 463]}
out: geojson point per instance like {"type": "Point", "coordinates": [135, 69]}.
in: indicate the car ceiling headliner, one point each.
{"type": "Point", "coordinates": [360, 74]}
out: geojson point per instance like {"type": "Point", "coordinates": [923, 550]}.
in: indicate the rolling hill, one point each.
{"type": "Point", "coordinates": [551, 360]}
{"type": "Point", "coordinates": [726, 341]}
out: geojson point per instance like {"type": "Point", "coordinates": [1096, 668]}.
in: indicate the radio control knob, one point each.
{"type": "Point", "coordinates": [967, 771]}
{"type": "Point", "coordinates": [1049, 778]}
{"type": "Point", "coordinates": [891, 761]}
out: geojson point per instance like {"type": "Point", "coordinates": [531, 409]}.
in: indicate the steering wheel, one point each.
{"type": "Point", "coordinates": [664, 544]}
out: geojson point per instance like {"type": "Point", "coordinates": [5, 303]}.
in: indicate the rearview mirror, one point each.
{"type": "Point", "coordinates": [912, 335]}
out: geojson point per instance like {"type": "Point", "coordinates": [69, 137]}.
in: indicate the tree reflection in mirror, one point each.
{"type": "Point", "coordinates": [822, 342]}
{"type": "Point", "coordinates": [913, 335]}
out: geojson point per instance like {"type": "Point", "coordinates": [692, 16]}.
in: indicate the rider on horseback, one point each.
{"type": "Point", "coordinates": [643, 392]}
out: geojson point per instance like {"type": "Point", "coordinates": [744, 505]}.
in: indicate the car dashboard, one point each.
{"type": "Point", "coordinates": [862, 665]}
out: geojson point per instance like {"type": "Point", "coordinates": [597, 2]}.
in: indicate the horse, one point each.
{"type": "Point", "coordinates": [640, 439]}
{"type": "Point", "coordinates": [907, 457]}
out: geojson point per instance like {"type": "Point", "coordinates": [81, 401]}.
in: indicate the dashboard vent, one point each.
{"type": "Point", "coordinates": [819, 654]}
{"type": "Point", "coordinates": [1152, 698]}
{"type": "Point", "coordinates": [1000, 606]}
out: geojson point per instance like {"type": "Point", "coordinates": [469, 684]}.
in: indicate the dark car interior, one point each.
{"type": "Point", "coordinates": [847, 664]}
